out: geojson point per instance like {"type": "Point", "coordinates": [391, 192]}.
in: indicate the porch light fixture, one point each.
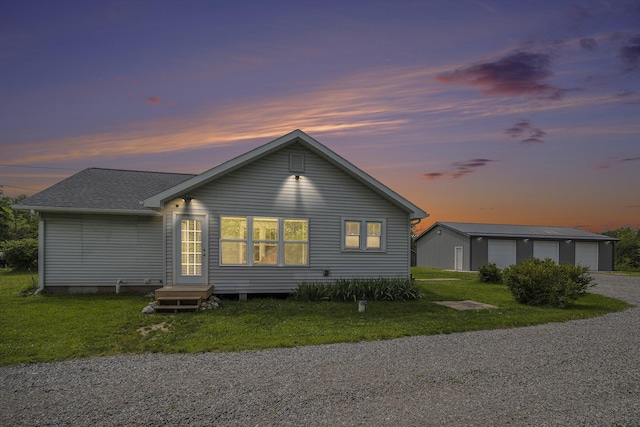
{"type": "Point", "coordinates": [568, 240]}
{"type": "Point", "coordinates": [187, 199]}
{"type": "Point", "coordinates": [525, 240]}
{"type": "Point", "coordinates": [297, 177]}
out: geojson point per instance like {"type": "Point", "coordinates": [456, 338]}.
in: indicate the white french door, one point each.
{"type": "Point", "coordinates": [190, 261]}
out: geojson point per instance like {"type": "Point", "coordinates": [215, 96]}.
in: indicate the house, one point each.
{"type": "Point", "coordinates": [286, 212]}
{"type": "Point", "coordinates": [467, 246]}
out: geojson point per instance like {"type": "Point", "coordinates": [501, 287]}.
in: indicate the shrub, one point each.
{"type": "Point", "coordinates": [22, 254]}
{"type": "Point", "coordinates": [545, 283]}
{"type": "Point", "coordinates": [380, 289]}
{"type": "Point", "coordinates": [490, 273]}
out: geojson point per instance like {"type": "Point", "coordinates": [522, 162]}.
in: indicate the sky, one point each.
{"type": "Point", "coordinates": [491, 111]}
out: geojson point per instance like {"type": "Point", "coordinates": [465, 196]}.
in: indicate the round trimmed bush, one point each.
{"type": "Point", "coordinates": [545, 283]}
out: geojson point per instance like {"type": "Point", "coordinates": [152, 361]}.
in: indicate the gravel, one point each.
{"type": "Point", "coordinates": [577, 373]}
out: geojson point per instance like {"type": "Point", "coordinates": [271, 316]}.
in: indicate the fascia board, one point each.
{"type": "Point", "coordinates": [53, 209]}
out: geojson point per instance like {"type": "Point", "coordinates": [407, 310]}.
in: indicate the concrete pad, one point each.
{"type": "Point", "coordinates": [465, 305]}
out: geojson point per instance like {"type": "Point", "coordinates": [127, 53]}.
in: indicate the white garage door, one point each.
{"type": "Point", "coordinates": [502, 252]}
{"type": "Point", "coordinates": [543, 249]}
{"type": "Point", "coordinates": [587, 254]}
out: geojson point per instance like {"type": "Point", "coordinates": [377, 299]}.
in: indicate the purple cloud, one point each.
{"type": "Point", "coordinates": [516, 74]}
{"type": "Point", "coordinates": [589, 44]}
{"type": "Point", "coordinates": [524, 129]}
{"type": "Point", "coordinates": [458, 169]}
{"type": "Point", "coordinates": [619, 161]}
{"type": "Point", "coordinates": [630, 54]}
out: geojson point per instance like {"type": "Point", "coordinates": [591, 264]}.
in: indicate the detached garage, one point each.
{"type": "Point", "coordinates": [467, 246]}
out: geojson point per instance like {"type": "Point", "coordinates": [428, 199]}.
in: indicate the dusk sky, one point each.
{"type": "Point", "coordinates": [496, 111]}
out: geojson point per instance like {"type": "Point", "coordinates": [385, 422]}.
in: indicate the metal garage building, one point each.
{"type": "Point", "coordinates": [467, 246]}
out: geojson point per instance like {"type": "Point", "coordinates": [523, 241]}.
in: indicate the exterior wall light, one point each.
{"type": "Point", "coordinates": [297, 177]}
{"type": "Point", "coordinates": [568, 240]}
{"type": "Point", "coordinates": [187, 199]}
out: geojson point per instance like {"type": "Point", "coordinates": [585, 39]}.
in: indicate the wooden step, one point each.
{"type": "Point", "coordinates": [190, 303]}
{"type": "Point", "coordinates": [204, 291]}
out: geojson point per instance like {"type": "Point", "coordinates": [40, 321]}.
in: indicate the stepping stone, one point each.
{"type": "Point", "coordinates": [465, 305]}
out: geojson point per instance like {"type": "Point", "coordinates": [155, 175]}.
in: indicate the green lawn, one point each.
{"type": "Point", "coordinates": [48, 328]}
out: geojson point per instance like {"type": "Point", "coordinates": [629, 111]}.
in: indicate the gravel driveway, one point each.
{"type": "Point", "coordinates": [579, 373]}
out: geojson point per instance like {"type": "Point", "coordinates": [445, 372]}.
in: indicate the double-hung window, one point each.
{"type": "Point", "coordinates": [363, 234]}
{"type": "Point", "coordinates": [255, 241]}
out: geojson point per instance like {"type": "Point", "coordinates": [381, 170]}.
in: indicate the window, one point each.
{"type": "Point", "coordinates": [265, 241]}
{"type": "Point", "coordinates": [272, 241]}
{"type": "Point", "coordinates": [296, 241]}
{"type": "Point", "coordinates": [233, 240]}
{"type": "Point", "coordinates": [363, 234]}
{"type": "Point", "coordinates": [352, 234]}
{"type": "Point", "coordinates": [374, 235]}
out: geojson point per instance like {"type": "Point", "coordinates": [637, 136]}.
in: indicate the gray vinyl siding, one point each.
{"type": "Point", "coordinates": [438, 250]}
{"type": "Point", "coordinates": [324, 195]}
{"type": "Point", "coordinates": [97, 250]}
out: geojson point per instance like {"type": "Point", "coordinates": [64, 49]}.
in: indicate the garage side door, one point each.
{"type": "Point", "coordinates": [543, 249]}
{"type": "Point", "coordinates": [502, 252]}
{"type": "Point", "coordinates": [587, 254]}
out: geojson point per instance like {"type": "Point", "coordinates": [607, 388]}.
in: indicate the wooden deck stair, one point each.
{"type": "Point", "coordinates": [182, 298]}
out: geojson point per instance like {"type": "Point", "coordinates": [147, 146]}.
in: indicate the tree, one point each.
{"type": "Point", "coordinates": [16, 225]}
{"type": "Point", "coordinates": [627, 250]}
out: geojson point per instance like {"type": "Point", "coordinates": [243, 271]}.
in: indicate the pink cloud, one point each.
{"type": "Point", "coordinates": [153, 100]}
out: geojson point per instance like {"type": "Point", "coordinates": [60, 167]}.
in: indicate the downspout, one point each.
{"type": "Point", "coordinates": [41, 237]}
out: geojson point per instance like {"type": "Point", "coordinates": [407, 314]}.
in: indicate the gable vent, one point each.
{"type": "Point", "coordinates": [296, 163]}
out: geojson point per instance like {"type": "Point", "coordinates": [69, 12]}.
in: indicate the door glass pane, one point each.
{"type": "Point", "coordinates": [191, 260]}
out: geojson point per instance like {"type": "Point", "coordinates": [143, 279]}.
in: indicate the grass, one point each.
{"type": "Point", "coordinates": [52, 328]}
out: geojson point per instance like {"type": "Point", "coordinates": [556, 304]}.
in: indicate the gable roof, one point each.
{"type": "Point", "coordinates": [518, 231]}
{"type": "Point", "coordinates": [100, 190]}
{"type": "Point", "coordinates": [297, 136]}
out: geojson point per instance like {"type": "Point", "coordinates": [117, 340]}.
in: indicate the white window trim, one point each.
{"type": "Point", "coordinates": [363, 234]}
{"type": "Point", "coordinates": [250, 241]}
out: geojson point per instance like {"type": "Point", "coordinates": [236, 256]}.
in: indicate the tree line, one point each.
{"type": "Point", "coordinates": [627, 250]}
{"type": "Point", "coordinates": [19, 239]}
{"type": "Point", "coordinates": [18, 235]}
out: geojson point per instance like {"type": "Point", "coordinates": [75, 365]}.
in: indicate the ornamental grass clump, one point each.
{"type": "Point", "coordinates": [545, 283]}
{"type": "Point", "coordinates": [376, 289]}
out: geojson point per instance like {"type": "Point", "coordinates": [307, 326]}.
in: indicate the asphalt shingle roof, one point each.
{"type": "Point", "coordinates": [97, 188]}
{"type": "Point", "coordinates": [522, 231]}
